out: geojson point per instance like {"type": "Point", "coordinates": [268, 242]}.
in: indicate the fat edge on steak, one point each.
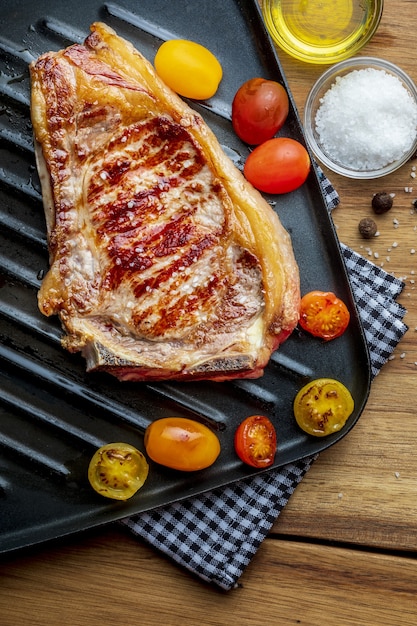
{"type": "Point", "coordinates": [165, 263]}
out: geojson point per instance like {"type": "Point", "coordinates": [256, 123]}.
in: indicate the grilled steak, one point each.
{"type": "Point", "coordinates": [164, 262]}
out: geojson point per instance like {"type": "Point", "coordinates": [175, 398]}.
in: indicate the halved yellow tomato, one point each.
{"type": "Point", "coordinates": [323, 406]}
{"type": "Point", "coordinates": [117, 471]}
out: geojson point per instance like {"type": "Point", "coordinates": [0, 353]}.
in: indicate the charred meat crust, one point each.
{"type": "Point", "coordinates": [164, 262]}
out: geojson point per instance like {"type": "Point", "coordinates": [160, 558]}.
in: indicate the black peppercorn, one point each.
{"type": "Point", "coordinates": [382, 202]}
{"type": "Point", "coordinates": [367, 228]}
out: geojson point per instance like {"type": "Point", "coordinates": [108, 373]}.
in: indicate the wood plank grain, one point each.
{"type": "Point", "coordinates": [123, 581]}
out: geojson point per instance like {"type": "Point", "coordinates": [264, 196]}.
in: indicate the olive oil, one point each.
{"type": "Point", "coordinates": [321, 31]}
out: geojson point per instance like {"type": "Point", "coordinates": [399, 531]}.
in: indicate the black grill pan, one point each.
{"type": "Point", "coordinates": [54, 415]}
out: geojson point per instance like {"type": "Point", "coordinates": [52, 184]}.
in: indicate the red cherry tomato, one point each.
{"type": "Point", "coordinates": [278, 165]}
{"type": "Point", "coordinates": [256, 441]}
{"type": "Point", "coordinates": [259, 109]}
{"type": "Point", "coordinates": [323, 314]}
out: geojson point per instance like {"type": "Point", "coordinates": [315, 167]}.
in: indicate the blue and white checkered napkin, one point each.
{"type": "Point", "coordinates": [216, 534]}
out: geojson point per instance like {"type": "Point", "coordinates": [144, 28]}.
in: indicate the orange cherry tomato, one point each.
{"type": "Point", "coordinates": [323, 315]}
{"type": "Point", "coordinates": [189, 68]}
{"type": "Point", "coordinates": [259, 109]}
{"type": "Point", "coordinates": [181, 444]}
{"type": "Point", "coordinates": [323, 406]}
{"type": "Point", "coordinates": [279, 165]}
{"type": "Point", "coordinates": [256, 441]}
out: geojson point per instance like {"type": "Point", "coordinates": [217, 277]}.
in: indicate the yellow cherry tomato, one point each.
{"type": "Point", "coordinates": [189, 68]}
{"type": "Point", "coordinates": [181, 444]}
{"type": "Point", "coordinates": [322, 406]}
{"type": "Point", "coordinates": [117, 471]}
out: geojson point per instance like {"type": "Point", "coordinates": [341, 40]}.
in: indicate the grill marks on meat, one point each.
{"type": "Point", "coordinates": [158, 214]}
{"type": "Point", "coordinates": [158, 266]}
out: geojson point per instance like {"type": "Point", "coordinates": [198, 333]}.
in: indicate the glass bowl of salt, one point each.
{"type": "Point", "coordinates": [360, 118]}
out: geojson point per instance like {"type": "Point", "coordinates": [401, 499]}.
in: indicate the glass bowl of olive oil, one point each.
{"type": "Point", "coordinates": [322, 31]}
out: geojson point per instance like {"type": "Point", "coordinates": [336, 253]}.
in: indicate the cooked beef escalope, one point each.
{"type": "Point", "coordinates": [165, 263]}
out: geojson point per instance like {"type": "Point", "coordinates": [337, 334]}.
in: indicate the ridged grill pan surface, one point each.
{"type": "Point", "coordinates": [54, 415]}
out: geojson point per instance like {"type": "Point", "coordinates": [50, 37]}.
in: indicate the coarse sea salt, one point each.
{"type": "Point", "coordinates": [366, 120]}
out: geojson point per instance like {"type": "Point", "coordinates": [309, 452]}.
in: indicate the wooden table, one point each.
{"type": "Point", "coordinates": [343, 552]}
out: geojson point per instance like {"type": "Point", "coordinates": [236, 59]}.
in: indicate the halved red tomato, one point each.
{"type": "Point", "coordinates": [256, 441]}
{"type": "Point", "coordinates": [323, 314]}
{"type": "Point", "coordinates": [278, 165]}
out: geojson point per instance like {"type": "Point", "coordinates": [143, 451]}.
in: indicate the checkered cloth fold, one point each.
{"type": "Point", "coordinates": [216, 534]}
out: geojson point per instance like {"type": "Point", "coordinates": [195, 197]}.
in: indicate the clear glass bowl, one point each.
{"type": "Point", "coordinates": [313, 102]}
{"type": "Point", "coordinates": [322, 31]}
